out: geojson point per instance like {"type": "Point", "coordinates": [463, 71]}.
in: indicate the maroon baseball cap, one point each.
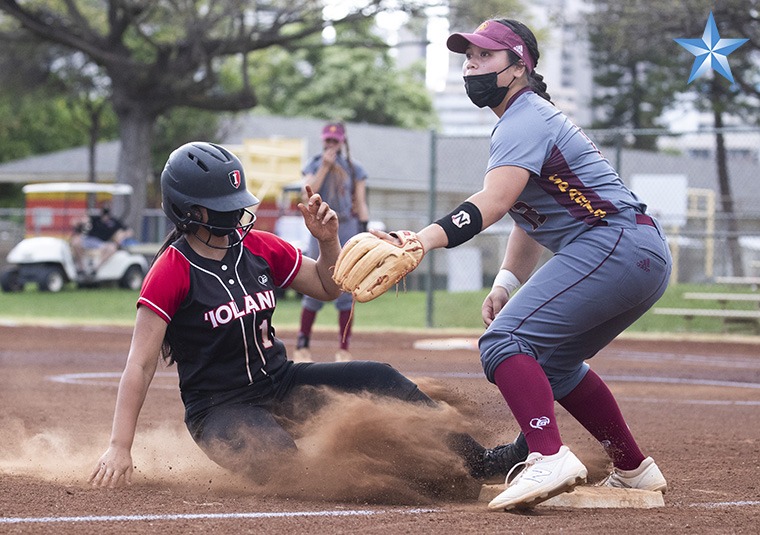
{"type": "Point", "coordinates": [334, 131]}
{"type": "Point", "coordinates": [492, 35]}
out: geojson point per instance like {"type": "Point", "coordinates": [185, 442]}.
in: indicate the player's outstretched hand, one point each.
{"type": "Point", "coordinates": [114, 469]}
{"type": "Point", "coordinates": [493, 304]}
{"type": "Point", "coordinates": [320, 219]}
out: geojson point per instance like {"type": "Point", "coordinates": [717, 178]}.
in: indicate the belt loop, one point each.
{"type": "Point", "coordinates": [643, 219]}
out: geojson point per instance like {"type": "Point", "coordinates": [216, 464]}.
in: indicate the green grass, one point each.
{"type": "Point", "coordinates": [407, 310]}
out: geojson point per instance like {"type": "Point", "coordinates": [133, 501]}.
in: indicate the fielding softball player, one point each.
{"type": "Point", "coordinates": [611, 263]}
{"type": "Point", "coordinates": [207, 305]}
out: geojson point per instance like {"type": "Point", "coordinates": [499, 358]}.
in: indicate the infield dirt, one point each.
{"type": "Point", "coordinates": [369, 466]}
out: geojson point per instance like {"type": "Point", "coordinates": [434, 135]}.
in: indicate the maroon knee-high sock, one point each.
{"type": "Point", "coordinates": [345, 321]}
{"type": "Point", "coordinates": [526, 390]}
{"type": "Point", "coordinates": [307, 322]}
{"type": "Point", "coordinates": [594, 406]}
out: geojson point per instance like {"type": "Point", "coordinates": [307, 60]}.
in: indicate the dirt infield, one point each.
{"type": "Point", "coordinates": [693, 406]}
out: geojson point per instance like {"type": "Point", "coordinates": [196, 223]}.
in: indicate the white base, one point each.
{"type": "Point", "coordinates": [588, 497]}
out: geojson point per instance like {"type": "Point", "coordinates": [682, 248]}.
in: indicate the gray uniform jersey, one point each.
{"type": "Point", "coordinates": [572, 187]}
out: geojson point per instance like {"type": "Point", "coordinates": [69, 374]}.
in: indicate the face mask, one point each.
{"type": "Point", "coordinates": [223, 223]}
{"type": "Point", "coordinates": [482, 88]}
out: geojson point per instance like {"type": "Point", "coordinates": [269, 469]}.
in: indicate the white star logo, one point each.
{"type": "Point", "coordinates": [711, 47]}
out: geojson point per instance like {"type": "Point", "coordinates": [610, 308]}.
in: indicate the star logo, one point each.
{"type": "Point", "coordinates": [711, 51]}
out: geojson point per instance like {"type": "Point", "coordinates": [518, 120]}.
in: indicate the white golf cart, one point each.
{"type": "Point", "coordinates": [45, 256]}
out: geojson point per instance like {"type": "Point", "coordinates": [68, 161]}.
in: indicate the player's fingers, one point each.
{"type": "Point", "coordinates": [128, 475]}
{"type": "Point", "coordinates": [329, 216]}
{"type": "Point", "coordinates": [487, 312]}
{"type": "Point", "coordinates": [385, 236]}
{"type": "Point", "coordinates": [325, 212]}
{"type": "Point", "coordinates": [114, 478]}
{"type": "Point", "coordinates": [309, 191]}
{"type": "Point", "coordinates": [97, 475]}
{"type": "Point", "coordinates": [315, 200]}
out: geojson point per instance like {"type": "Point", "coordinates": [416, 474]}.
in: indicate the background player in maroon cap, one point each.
{"type": "Point", "coordinates": [611, 263]}
{"type": "Point", "coordinates": [342, 183]}
{"type": "Point", "coordinates": [207, 305]}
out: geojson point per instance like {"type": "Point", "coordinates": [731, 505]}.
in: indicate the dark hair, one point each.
{"type": "Point", "coordinates": [536, 80]}
{"type": "Point", "coordinates": [169, 345]}
{"type": "Point", "coordinates": [348, 157]}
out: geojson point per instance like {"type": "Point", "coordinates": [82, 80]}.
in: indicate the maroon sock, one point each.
{"type": "Point", "coordinates": [307, 321]}
{"type": "Point", "coordinates": [594, 406]}
{"type": "Point", "coordinates": [345, 321]}
{"type": "Point", "coordinates": [526, 390]}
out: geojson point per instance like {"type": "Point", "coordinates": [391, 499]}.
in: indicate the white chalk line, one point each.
{"type": "Point", "coordinates": [715, 505]}
{"type": "Point", "coordinates": [108, 379]}
{"type": "Point", "coordinates": [208, 516]}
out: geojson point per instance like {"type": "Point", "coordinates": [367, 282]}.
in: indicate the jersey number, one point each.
{"type": "Point", "coordinates": [265, 341]}
{"type": "Point", "coordinates": [529, 214]}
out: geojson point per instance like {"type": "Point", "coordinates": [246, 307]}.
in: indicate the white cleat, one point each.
{"type": "Point", "coordinates": [343, 355]}
{"type": "Point", "coordinates": [646, 477]}
{"type": "Point", "coordinates": [302, 355]}
{"type": "Point", "coordinates": [543, 477]}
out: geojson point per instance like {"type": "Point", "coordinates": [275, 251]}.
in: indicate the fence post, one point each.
{"type": "Point", "coordinates": [619, 139]}
{"type": "Point", "coordinates": [432, 194]}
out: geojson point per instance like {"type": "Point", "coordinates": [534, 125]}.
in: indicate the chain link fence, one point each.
{"type": "Point", "coordinates": [707, 199]}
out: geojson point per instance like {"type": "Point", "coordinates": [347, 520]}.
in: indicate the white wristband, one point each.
{"type": "Point", "coordinates": [507, 280]}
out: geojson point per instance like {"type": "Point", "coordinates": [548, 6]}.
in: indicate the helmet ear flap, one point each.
{"type": "Point", "coordinates": [194, 216]}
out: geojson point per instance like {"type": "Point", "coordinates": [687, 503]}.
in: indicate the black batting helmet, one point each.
{"type": "Point", "coordinates": [202, 174]}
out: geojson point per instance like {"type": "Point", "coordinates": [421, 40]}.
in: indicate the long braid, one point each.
{"type": "Point", "coordinates": [348, 154]}
{"type": "Point", "coordinates": [536, 80]}
{"type": "Point", "coordinates": [351, 170]}
{"type": "Point", "coordinates": [168, 346]}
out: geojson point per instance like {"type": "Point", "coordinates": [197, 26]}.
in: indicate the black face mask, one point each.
{"type": "Point", "coordinates": [223, 223]}
{"type": "Point", "coordinates": [482, 88]}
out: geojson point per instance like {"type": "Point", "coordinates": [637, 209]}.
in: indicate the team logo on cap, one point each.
{"type": "Point", "coordinates": [518, 49]}
{"type": "Point", "coordinates": [482, 27]}
{"type": "Point", "coordinates": [235, 178]}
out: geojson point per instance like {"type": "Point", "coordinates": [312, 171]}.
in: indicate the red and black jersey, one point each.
{"type": "Point", "coordinates": [219, 313]}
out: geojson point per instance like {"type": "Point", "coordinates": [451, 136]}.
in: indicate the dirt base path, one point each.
{"type": "Point", "coordinates": [693, 406]}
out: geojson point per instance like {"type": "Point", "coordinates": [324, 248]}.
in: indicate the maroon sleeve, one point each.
{"type": "Point", "coordinates": [283, 258]}
{"type": "Point", "coordinates": [166, 284]}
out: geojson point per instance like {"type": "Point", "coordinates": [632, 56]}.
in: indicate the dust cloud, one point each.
{"type": "Point", "coordinates": [357, 448]}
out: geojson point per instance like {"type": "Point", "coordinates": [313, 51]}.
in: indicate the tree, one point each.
{"type": "Point", "coordinates": [722, 99]}
{"type": "Point", "coordinates": [644, 77]}
{"type": "Point", "coordinates": [164, 54]}
{"type": "Point", "coordinates": [85, 88]}
{"type": "Point", "coordinates": [636, 79]}
{"type": "Point", "coordinates": [359, 84]}
{"type": "Point", "coordinates": [741, 19]}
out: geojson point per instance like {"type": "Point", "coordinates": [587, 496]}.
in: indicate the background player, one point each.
{"type": "Point", "coordinates": [611, 263]}
{"type": "Point", "coordinates": [207, 305]}
{"type": "Point", "coordinates": [342, 183]}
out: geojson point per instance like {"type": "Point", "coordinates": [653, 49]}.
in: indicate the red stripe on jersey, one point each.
{"type": "Point", "coordinates": [166, 284]}
{"type": "Point", "coordinates": [283, 258]}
